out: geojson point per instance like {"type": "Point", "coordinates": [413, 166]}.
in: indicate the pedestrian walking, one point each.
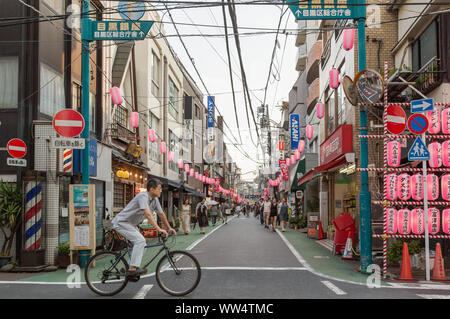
{"type": "Point", "coordinates": [202, 216]}
{"type": "Point", "coordinates": [266, 209]}
{"type": "Point", "coordinates": [284, 216]}
{"type": "Point", "coordinates": [194, 217]}
{"type": "Point", "coordinates": [214, 213]}
{"type": "Point", "coordinates": [273, 214]}
{"type": "Point", "coordinates": [261, 212]}
{"type": "Point", "coordinates": [226, 211]}
{"type": "Point", "coordinates": [185, 217]}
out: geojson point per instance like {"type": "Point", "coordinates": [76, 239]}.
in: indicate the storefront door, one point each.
{"type": "Point", "coordinates": [63, 223]}
{"type": "Point", "coordinates": [99, 210]}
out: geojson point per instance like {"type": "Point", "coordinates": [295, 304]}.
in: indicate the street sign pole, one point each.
{"type": "Point", "coordinates": [425, 208]}
{"type": "Point", "coordinates": [85, 89]}
{"type": "Point", "coordinates": [364, 195]}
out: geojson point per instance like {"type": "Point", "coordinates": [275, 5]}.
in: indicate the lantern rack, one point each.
{"type": "Point", "coordinates": [385, 169]}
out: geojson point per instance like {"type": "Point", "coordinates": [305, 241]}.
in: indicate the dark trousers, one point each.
{"type": "Point", "coordinates": [214, 219]}
{"type": "Point", "coordinates": [261, 217]}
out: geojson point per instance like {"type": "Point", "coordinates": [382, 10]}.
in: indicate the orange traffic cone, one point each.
{"type": "Point", "coordinates": [321, 233]}
{"type": "Point", "coordinates": [406, 273]}
{"type": "Point", "coordinates": [438, 270]}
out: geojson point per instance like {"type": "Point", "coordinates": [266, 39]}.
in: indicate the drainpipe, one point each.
{"type": "Point", "coordinates": [165, 101]}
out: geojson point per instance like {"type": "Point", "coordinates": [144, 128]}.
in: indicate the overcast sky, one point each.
{"type": "Point", "coordinates": [256, 51]}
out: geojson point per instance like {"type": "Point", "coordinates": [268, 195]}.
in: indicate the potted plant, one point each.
{"type": "Point", "coordinates": [292, 222]}
{"type": "Point", "coordinates": [330, 232]}
{"type": "Point", "coordinates": [10, 209]}
{"type": "Point", "coordinates": [63, 255]}
{"type": "Point", "coordinates": [302, 221]}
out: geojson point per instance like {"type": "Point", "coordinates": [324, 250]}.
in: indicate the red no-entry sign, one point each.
{"type": "Point", "coordinates": [16, 148]}
{"type": "Point", "coordinates": [396, 119]}
{"type": "Point", "coordinates": [68, 123]}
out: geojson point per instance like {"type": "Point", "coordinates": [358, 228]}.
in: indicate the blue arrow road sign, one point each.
{"type": "Point", "coordinates": [418, 151]}
{"type": "Point", "coordinates": [422, 105]}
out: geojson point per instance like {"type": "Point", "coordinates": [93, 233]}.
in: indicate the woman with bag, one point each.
{"type": "Point", "coordinates": [284, 216]}
{"type": "Point", "coordinates": [201, 216]}
{"type": "Point", "coordinates": [185, 217]}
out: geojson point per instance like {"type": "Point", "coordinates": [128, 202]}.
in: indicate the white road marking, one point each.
{"type": "Point", "coordinates": [333, 288]}
{"type": "Point", "coordinates": [435, 296]}
{"type": "Point", "coordinates": [143, 292]}
{"type": "Point", "coordinates": [255, 268]}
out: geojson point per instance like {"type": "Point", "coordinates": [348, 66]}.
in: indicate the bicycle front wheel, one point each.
{"type": "Point", "coordinates": [105, 273]}
{"type": "Point", "coordinates": [178, 274]}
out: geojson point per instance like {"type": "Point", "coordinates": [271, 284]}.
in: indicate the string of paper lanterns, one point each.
{"type": "Point", "coordinates": [405, 221]}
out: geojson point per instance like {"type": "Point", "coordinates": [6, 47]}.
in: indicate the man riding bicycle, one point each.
{"type": "Point", "coordinates": [126, 222]}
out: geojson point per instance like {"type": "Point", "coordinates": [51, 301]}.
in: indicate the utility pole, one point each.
{"type": "Point", "coordinates": [85, 89]}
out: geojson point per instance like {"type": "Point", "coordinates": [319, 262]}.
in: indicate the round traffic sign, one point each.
{"type": "Point", "coordinates": [396, 119]}
{"type": "Point", "coordinates": [16, 148]}
{"type": "Point", "coordinates": [133, 11]}
{"type": "Point", "coordinates": [418, 123]}
{"type": "Point", "coordinates": [68, 123]}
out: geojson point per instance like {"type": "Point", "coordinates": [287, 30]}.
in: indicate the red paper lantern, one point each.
{"type": "Point", "coordinates": [404, 225]}
{"type": "Point", "coordinates": [391, 220]}
{"type": "Point", "coordinates": [186, 168]}
{"type": "Point", "coordinates": [391, 184]}
{"type": "Point", "coordinates": [151, 135]}
{"type": "Point", "coordinates": [434, 119]}
{"type": "Point", "coordinates": [309, 132]}
{"type": "Point", "coordinates": [191, 172]}
{"type": "Point", "coordinates": [334, 78]}
{"type": "Point", "coordinates": [435, 155]}
{"type": "Point", "coordinates": [134, 119]}
{"type": "Point", "coordinates": [320, 110]}
{"type": "Point", "coordinates": [417, 192]}
{"type": "Point", "coordinates": [394, 153]}
{"type": "Point", "coordinates": [404, 187]}
{"type": "Point", "coordinates": [445, 153]}
{"type": "Point", "coordinates": [292, 160]}
{"type": "Point", "coordinates": [446, 221]}
{"type": "Point", "coordinates": [349, 39]}
{"type": "Point", "coordinates": [433, 187]}
{"type": "Point", "coordinates": [116, 95]}
{"type": "Point", "coordinates": [446, 121]}
{"type": "Point", "coordinates": [171, 156]}
{"type": "Point", "coordinates": [301, 146]}
{"type": "Point", "coordinates": [445, 187]}
{"type": "Point", "coordinates": [418, 221]}
{"type": "Point", "coordinates": [163, 147]}
{"type": "Point", "coordinates": [180, 163]}
{"type": "Point", "coordinates": [297, 154]}
{"type": "Point", "coordinates": [434, 220]}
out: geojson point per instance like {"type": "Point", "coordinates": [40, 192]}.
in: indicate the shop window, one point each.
{"type": "Point", "coordinates": [173, 146]}
{"type": "Point", "coordinates": [425, 48]}
{"type": "Point", "coordinates": [155, 75]}
{"type": "Point", "coordinates": [331, 124]}
{"type": "Point", "coordinates": [154, 147]}
{"type": "Point", "coordinates": [52, 97]}
{"type": "Point", "coordinates": [173, 99]}
{"type": "Point", "coordinates": [76, 97]}
{"type": "Point", "coordinates": [119, 201]}
{"type": "Point", "coordinates": [121, 116]}
{"type": "Point", "coordinates": [9, 82]}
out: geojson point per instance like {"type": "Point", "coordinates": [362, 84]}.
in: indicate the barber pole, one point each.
{"type": "Point", "coordinates": [33, 216]}
{"type": "Point", "coordinates": [67, 161]}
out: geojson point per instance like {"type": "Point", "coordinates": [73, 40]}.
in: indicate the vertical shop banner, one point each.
{"type": "Point", "coordinates": [284, 170]}
{"type": "Point", "coordinates": [210, 111]}
{"type": "Point", "coordinates": [82, 217]}
{"type": "Point", "coordinates": [294, 120]}
{"type": "Point", "coordinates": [93, 157]}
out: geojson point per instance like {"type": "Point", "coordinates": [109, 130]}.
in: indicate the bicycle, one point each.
{"type": "Point", "coordinates": [105, 272]}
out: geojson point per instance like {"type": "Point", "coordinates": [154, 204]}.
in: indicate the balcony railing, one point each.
{"type": "Point", "coordinates": [122, 133]}
{"type": "Point", "coordinates": [429, 76]}
{"type": "Point", "coordinates": [326, 52]}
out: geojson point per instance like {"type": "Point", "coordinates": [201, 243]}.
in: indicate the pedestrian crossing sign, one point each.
{"type": "Point", "coordinates": [418, 151]}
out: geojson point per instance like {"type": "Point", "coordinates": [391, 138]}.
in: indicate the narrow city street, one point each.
{"type": "Point", "coordinates": [241, 260]}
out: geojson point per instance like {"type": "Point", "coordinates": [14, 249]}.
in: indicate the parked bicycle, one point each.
{"type": "Point", "coordinates": [178, 272]}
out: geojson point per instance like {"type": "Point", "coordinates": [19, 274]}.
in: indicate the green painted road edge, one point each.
{"type": "Point", "coordinates": [327, 264]}
{"type": "Point", "coordinates": [182, 242]}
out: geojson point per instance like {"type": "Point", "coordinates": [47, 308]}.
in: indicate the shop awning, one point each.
{"type": "Point", "coordinates": [322, 168]}
{"type": "Point", "coordinates": [189, 189]}
{"type": "Point", "coordinates": [166, 181]}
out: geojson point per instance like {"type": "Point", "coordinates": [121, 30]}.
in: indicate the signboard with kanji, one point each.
{"type": "Point", "coordinates": [325, 9]}
{"type": "Point", "coordinates": [118, 30]}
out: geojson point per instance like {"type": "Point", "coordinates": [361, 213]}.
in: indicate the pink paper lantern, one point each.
{"type": "Point", "coordinates": [435, 155]}
{"type": "Point", "coordinates": [434, 220]}
{"type": "Point", "coordinates": [446, 221]}
{"type": "Point", "coordinates": [309, 132]}
{"type": "Point", "coordinates": [180, 163]}
{"type": "Point", "coordinates": [191, 172]}
{"type": "Point", "coordinates": [196, 175]}
{"type": "Point", "coordinates": [391, 221]}
{"type": "Point", "coordinates": [434, 120]}
{"type": "Point", "coordinates": [204, 179]}
{"type": "Point", "coordinates": [418, 221]}
{"type": "Point", "coordinates": [292, 159]}
{"type": "Point", "coordinates": [186, 168]}
{"type": "Point", "coordinates": [171, 156]}
{"type": "Point", "coordinates": [417, 192]}
{"type": "Point", "coordinates": [403, 222]}
{"type": "Point", "coordinates": [404, 187]}
{"type": "Point", "coordinates": [391, 184]}
{"type": "Point", "coordinates": [288, 162]}
{"type": "Point", "coordinates": [297, 155]}
{"type": "Point", "coordinates": [394, 153]}
{"type": "Point", "coordinates": [134, 119]}
{"type": "Point", "coordinates": [445, 153]}
{"type": "Point", "coordinates": [433, 187]}
{"type": "Point", "coordinates": [163, 147]}
{"type": "Point", "coordinates": [349, 39]}
{"type": "Point", "coordinates": [320, 110]}
{"type": "Point", "coordinates": [116, 95]}
{"type": "Point", "coordinates": [301, 146]}
{"type": "Point", "coordinates": [445, 187]}
{"type": "Point", "coordinates": [334, 78]}
{"type": "Point", "coordinates": [151, 135]}
{"type": "Point", "coordinates": [446, 121]}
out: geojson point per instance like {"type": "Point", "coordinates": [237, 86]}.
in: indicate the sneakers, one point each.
{"type": "Point", "coordinates": [137, 272]}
